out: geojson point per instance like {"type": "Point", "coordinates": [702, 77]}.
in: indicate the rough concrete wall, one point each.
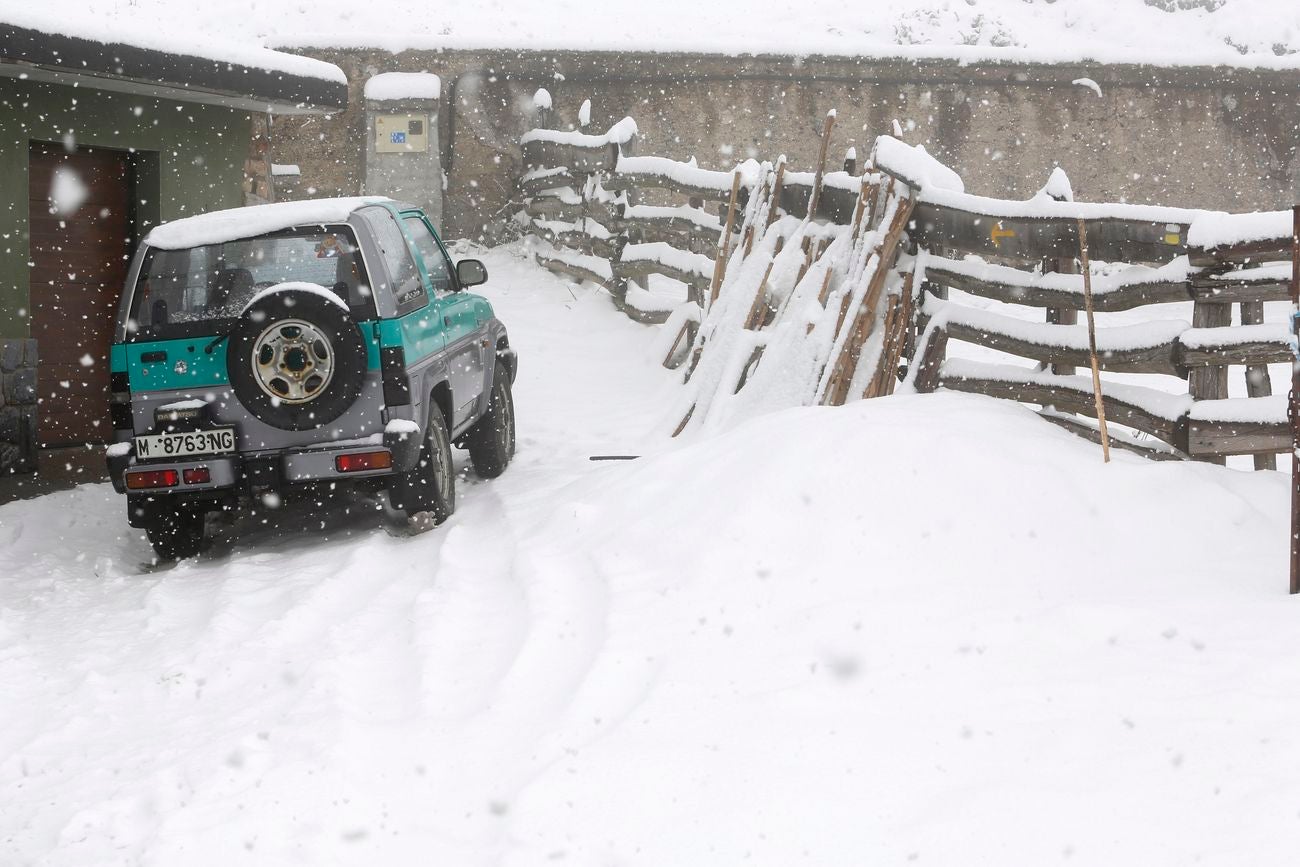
{"type": "Point", "coordinates": [1208, 138]}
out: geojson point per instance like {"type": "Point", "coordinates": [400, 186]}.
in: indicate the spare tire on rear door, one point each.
{"type": "Point", "coordinates": [296, 358]}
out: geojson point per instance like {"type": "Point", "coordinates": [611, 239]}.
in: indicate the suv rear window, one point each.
{"type": "Point", "coordinates": [202, 290]}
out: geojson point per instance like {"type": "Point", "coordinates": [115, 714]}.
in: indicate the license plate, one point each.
{"type": "Point", "coordinates": [178, 445]}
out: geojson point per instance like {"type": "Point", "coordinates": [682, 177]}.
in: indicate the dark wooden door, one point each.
{"type": "Point", "coordinates": [80, 248]}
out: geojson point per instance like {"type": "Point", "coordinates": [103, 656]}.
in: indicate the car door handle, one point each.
{"type": "Point", "coordinates": [446, 321]}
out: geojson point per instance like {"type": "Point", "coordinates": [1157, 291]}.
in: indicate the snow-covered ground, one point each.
{"type": "Point", "coordinates": [1250, 33]}
{"type": "Point", "coordinates": [923, 629]}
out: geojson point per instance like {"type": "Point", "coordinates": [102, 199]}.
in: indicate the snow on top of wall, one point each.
{"type": "Point", "coordinates": [1217, 229]}
{"type": "Point", "coordinates": [1240, 33]}
{"type": "Point", "coordinates": [403, 85]}
{"type": "Point", "coordinates": [216, 227]}
{"type": "Point", "coordinates": [109, 25]}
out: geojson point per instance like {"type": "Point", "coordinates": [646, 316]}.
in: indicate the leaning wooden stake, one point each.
{"type": "Point", "coordinates": [777, 185]}
{"type": "Point", "coordinates": [724, 250]}
{"type": "Point", "coordinates": [1092, 342]}
{"type": "Point", "coordinates": [821, 165]}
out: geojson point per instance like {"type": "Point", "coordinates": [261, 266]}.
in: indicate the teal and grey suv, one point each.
{"type": "Point", "coordinates": [297, 343]}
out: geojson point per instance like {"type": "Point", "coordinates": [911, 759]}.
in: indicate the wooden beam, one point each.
{"type": "Point", "coordinates": [579, 160]}
{"type": "Point", "coordinates": [1126, 298]}
{"type": "Point", "coordinates": [956, 230]}
{"type": "Point", "coordinates": [1218, 439]}
{"type": "Point", "coordinates": [1090, 433]}
{"type": "Point", "coordinates": [1068, 397]}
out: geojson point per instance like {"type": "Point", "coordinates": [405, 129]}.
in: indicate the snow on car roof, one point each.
{"type": "Point", "coordinates": [229, 225]}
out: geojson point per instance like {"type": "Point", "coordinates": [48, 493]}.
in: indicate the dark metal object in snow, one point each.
{"type": "Point", "coordinates": [613, 457]}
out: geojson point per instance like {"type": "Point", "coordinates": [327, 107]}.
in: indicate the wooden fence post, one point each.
{"type": "Point", "coordinates": [1258, 383]}
{"type": "Point", "coordinates": [1062, 315]}
{"type": "Point", "coordinates": [1209, 383]}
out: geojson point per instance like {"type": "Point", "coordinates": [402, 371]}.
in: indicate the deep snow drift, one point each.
{"type": "Point", "coordinates": [923, 629]}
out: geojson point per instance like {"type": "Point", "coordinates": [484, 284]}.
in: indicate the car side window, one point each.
{"type": "Point", "coordinates": [435, 260]}
{"type": "Point", "coordinates": [407, 288]}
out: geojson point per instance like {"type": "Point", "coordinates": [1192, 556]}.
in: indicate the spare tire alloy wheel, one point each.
{"type": "Point", "coordinates": [293, 361]}
{"type": "Point", "coordinates": [296, 360]}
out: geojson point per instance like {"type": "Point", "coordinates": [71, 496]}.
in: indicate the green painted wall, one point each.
{"type": "Point", "coordinates": [192, 161]}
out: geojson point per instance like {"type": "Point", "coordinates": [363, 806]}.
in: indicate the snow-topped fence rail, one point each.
{"type": "Point", "coordinates": [781, 308]}
{"type": "Point", "coordinates": [586, 204]}
{"type": "Point", "coordinates": [1000, 259]}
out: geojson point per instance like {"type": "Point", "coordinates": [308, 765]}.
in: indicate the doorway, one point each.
{"type": "Point", "coordinates": [82, 239]}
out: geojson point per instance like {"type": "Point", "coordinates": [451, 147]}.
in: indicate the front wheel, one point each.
{"type": "Point", "coordinates": [491, 441]}
{"type": "Point", "coordinates": [429, 487]}
{"type": "Point", "coordinates": [175, 533]}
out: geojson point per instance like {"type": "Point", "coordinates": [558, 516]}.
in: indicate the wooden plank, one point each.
{"type": "Point", "coordinates": [608, 214]}
{"type": "Point", "coordinates": [533, 186]}
{"type": "Point", "coordinates": [639, 269]}
{"type": "Point", "coordinates": [1218, 439]}
{"type": "Point", "coordinates": [835, 205]}
{"type": "Point", "coordinates": [1127, 298]}
{"type": "Point", "coordinates": [619, 181]}
{"type": "Point", "coordinates": [605, 248]}
{"type": "Point", "coordinates": [579, 160]}
{"type": "Point", "coordinates": [1248, 253]}
{"type": "Point", "coordinates": [560, 266]}
{"type": "Point", "coordinates": [1239, 291]}
{"type": "Point", "coordinates": [1088, 432]}
{"type": "Point", "coordinates": [1152, 359]}
{"type": "Point", "coordinates": [955, 230]}
{"type": "Point", "coordinates": [931, 363]}
{"type": "Point", "coordinates": [1254, 353]}
{"type": "Point", "coordinates": [1070, 398]}
{"type": "Point", "coordinates": [677, 232]}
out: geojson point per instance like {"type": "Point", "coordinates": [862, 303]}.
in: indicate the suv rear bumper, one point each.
{"type": "Point", "coordinates": [266, 470]}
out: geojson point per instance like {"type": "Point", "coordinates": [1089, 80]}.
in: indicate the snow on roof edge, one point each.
{"type": "Point", "coordinates": [104, 32]}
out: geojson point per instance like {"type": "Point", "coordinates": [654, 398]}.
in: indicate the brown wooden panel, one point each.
{"type": "Point", "coordinates": [79, 266]}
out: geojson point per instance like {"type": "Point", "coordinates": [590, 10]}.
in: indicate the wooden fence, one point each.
{"type": "Point", "coordinates": [848, 301]}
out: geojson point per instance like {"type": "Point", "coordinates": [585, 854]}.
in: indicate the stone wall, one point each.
{"type": "Point", "coordinates": [17, 406]}
{"type": "Point", "coordinates": [1197, 137]}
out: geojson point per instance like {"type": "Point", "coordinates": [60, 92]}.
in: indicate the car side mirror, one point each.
{"type": "Point", "coordinates": [470, 272]}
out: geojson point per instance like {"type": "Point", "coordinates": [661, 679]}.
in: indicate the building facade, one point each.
{"type": "Point", "coordinates": [98, 143]}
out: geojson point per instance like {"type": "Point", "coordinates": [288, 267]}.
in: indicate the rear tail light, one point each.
{"type": "Point", "coordinates": [363, 461]}
{"type": "Point", "coordinates": [119, 401]}
{"type": "Point", "coordinates": [152, 479]}
{"type": "Point", "coordinates": [197, 476]}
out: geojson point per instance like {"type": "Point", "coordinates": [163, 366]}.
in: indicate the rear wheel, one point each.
{"type": "Point", "coordinates": [491, 441]}
{"type": "Point", "coordinates": [430, 487]}
{"type": "Point", "coordinates": [175, 533]}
